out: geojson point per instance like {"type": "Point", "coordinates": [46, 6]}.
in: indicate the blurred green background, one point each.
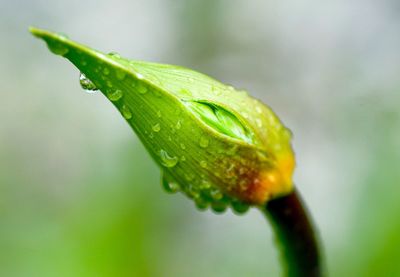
{"type": "Point", "coordinates": [79, 196]}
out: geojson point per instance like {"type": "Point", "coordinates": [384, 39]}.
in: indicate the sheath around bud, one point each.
{"type": "Point", "coordinates": [216, 144]}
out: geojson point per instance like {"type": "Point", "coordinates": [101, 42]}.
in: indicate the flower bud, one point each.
{"type": "Point", "coordinates": [216, 144]}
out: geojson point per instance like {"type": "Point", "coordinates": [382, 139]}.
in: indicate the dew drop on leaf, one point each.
{"type": "Point", "coordinates": [203, 164]}
{"type": "Point", "coordinates": [106, 71]}
{"type": "Point", "coordinates": [240, 207]}
{"type": "Point", "coordinates": [141, 89]}
{"type": "Point", "coordinates": [170, 186]}
{"type": "Point", "coordinates": [120, 74]}
{"type": "Point", "coordinates": [167, 160]}
{"type": "Point", "coordinates": [216, 194]}
{"type": "Point", "coordinates": [115, 95]}
{"type": "Point", "coordinates": [203, 142]}
{"type": "Point", "coordinates": [126, 112]}
{"type": "Point", "coordinates": [86, 84]}
{"type": "Point", "coordinates": [115, 55]}
{"type": "Point", "coordinates": [178, 125]}
{"type": "Point", "coordinates": [156, 127]}
{"type": "Point", "coordinates": [218, 206]}
{"type": "Point", "coordinates": [201, 203]}
{"type": "Point", "coordinates": [57, 48]}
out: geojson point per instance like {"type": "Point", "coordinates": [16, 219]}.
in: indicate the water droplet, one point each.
{"type": "Point", "coordinates": [216, 194]}
{"type": "Point", "coordinates": [218, 207]}
{"type": "Point", "coordinates": [189, 177]}
{"type": "Point", "coordinates": [109, 84]}
{"type": "Point", "coordinates": [178, 125]}
{"type": "Point", "coordinates": [170, 186]}
{"type": "Point", "coordinates": [183, 146]}
{"type": "Point", "coordinates": [86, 84]}
{"type": "Point", "coordinates": [120, 74]}
{"type": "Point", "coordinates": [259, 122]}
{"type": "Point", "coordinates": [156, 127]}
{"type": "Point", "coordinates": [167, 160]}
{"type": "Point", "coordinates": [141, 89]}
{"type": "Point", "coordinates": [203, 142]}
{"type": "Point", "coordinates": [57, 48]}
{"type": "Point", "coordinates": [258, 109]}
{"type": "Point", "coordinates": [239, 207]}
{"type": "Point", "coordinates": [126, 112]}
{"type": "Point", "coordinates": [192, 191]}
{"type": "Point", "coordinates": [139, 76]}
{"type": "Point", "coordinates": [183, 158]}
{"type": "Point", "coordinates": [203, 164]}
{"type": "Point", "coordinates": [205, 184]}
{"type": "Point", "coordinates": [106, 71]}
{"type": "Point", "coordinates": [115, 95]}
{"type": "Point", "coordinates": [159, 113]}
{"type": "Point", "coordinates": [114, 54]}
{"type": "Point", "coordinates": [201, 203]}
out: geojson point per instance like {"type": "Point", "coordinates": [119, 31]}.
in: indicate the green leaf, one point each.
{"type": "Point", "coordinates": [219, 145]}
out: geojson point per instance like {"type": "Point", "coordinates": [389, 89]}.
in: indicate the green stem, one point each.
{"type": "Point", "coordinates": [293, 228]}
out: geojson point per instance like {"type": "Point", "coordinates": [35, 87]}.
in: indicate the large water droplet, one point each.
{"type": "Point", "coordinates": [86, 84]}
{"type": "Point", "coordinates": [115, 95]}
{"type": "Point", "coordinates": [169, 185]}
{"type": "Point", "coordinates": [167, 160]}
{"type": "Point", "coordinates": [58, 48]}
{"type": "Point", "coordinates": [203, 142]}
{"type": "Point", "coordinates": [156, 127]}
{"type": "Point", "coordinates": [126, 112]}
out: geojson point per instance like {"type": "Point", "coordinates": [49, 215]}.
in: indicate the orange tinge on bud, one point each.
{"type": "Point", "coordinates": [269, 183]}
